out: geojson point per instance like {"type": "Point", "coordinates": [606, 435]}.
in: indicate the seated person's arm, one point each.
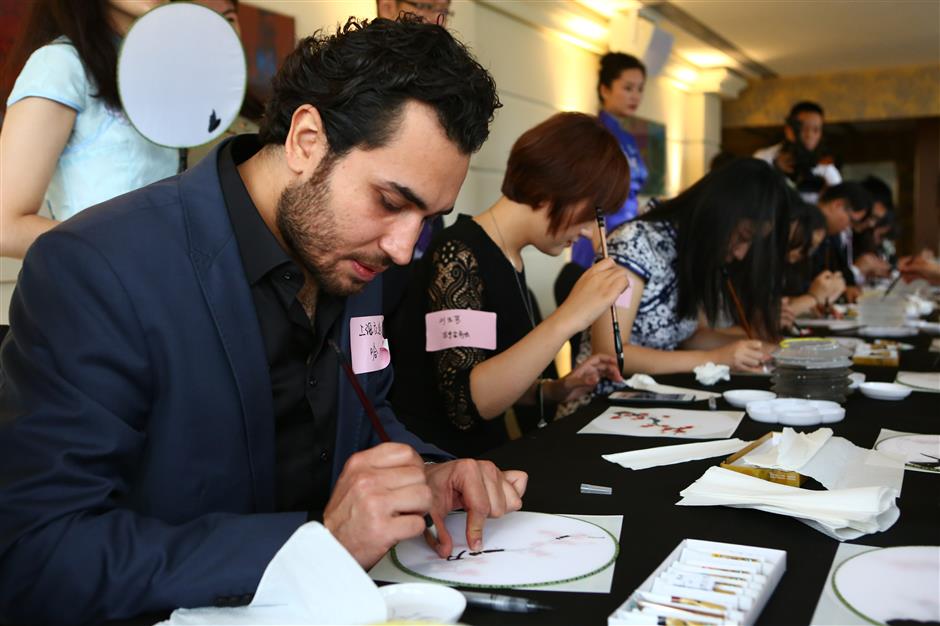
{"type": "Point", "coordinates": [477, 386]}
{"type": "Point", "coordinates": [638, 359]}
{"type": "Point", "coordinates": [803, 305]}
{"type": "Point", "coordinates": [35, 131]}
{"type": "Point", "coordinates": [827, 287]}
{"type": "Point", "coordinates": [924, 265]}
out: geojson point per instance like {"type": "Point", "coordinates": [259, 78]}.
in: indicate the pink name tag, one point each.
{"type": "Point", "coordinates": [460, 328]}
{"type": "Point", "coordinates": [625, 299]}
{"type": "Point", "coordinates": [367, 344]}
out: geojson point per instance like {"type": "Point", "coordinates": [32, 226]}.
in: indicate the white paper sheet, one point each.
{"type": "Point", "coordinates": [311, 580]}
{"type": "Point", "coordinates": [600, 582]}
{"type": "Point", "coordinates": [883, 584]}
{"type": "Point", "coordinates": [663, 422]}
{"type": "Point", "coordinates": [927, 382]}
{"type": "Point", "coordinates": [843, 514]}
{"type": "Point", "coordinates": [679, 453]}
{"type": "Point", "coordinates": [919, 452]}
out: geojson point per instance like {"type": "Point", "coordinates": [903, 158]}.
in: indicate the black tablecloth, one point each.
{"type": "Point", "coordinates": [558, 461]}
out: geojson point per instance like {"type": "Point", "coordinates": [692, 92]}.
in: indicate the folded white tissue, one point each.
{"type": "Point", "coordinates": [709, 373]}
{"type": "Point", "coordinates": [669, 455]}
{"type": "Point", "coordinates": [311, 580]}
{"type": "Point", "coordinates": [642, 382]}
{"type": "Point", "coordinates": [843, 514]}
{"type": "Point", "coordinates": [861, 484]}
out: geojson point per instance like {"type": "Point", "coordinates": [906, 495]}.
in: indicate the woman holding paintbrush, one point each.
{"type": "Point", "coordinates": [680, 256]}
{"type": "Point", "coordinates": [457, 392]}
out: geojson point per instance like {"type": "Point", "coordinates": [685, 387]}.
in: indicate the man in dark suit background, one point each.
{"type": "Point", "coordinates": [170, 409]}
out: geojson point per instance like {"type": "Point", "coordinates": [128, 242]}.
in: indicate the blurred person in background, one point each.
{"type": "Point", "coordinates": [847, 209]}
{"type": "Point", "coordinates": [874, 248]}
{"type": "Point", "coordinates": [801, 156]}
{"type": "Point", "coordinates": [620, 86]}
{"type": "Point", "coordinates": [806, 293]}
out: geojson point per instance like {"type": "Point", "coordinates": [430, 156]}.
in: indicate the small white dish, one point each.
{"type": "Point", "coordinates": [885, 391]}
{"type": "Point", "coordinates": [887, 331]}
{"type": "Point", "coordinates": [836, 325]}
{"type": "Point", "coordinates": [740, 397]}
{"type": "Point", "coordinates": [423, 602]}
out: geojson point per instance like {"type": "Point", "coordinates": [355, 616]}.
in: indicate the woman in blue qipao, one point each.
{"type": "Point", "coordinates": [620, 88]}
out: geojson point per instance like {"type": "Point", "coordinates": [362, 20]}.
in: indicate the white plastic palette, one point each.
{"type": "Point", "coordinates": [740, 398]}
{"type": "Point", "coordinates": [795, 411]}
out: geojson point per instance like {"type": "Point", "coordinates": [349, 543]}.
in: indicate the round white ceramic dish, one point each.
{"type": "Point", "coordinates": [856, 379]}
{"type": "Point", "coordinates": [740, 397]}
{"type": "Point", "coordinates": [423, 602]}
{"type": "Point", "coordinates": [885, 391]}
{"type": "Point", "coordinates": [795, 411]}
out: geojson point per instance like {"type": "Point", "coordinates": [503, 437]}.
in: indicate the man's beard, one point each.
{"type": "Point", "coordinates": [307, 223]}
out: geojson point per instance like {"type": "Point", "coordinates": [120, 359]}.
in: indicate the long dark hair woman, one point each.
{"type": "Point", "coordinates": [804, 293]}
{"type": "Point", "coordinates": [65, 139]}
{"type": "Point", "coordinates": [680, 256]}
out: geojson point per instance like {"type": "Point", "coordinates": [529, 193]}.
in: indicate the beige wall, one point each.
{"type": "Point", "coordinates": [875, 94]}
{"type": "Point", "coordinates": [538, 73]}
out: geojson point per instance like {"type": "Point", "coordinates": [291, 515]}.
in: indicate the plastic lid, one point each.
{"type": "Point", "coordinates": [812, 353]}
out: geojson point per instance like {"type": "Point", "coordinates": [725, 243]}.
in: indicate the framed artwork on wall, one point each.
{"type": "Point", "coordinates": [268, 37]}
{"type": "Point", "coordinates": [651, 139]}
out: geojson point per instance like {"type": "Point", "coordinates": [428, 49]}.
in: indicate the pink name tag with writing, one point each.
{"type": "Point", "coordinates": [460, 328]}
{"type": "Point", "coordinates": [367, 344]}
{"type": "Point", "coordinates": [625, 299]}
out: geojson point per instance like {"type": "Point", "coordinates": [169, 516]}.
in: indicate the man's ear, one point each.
{"type": "Point", "coordinates": [306, 142]}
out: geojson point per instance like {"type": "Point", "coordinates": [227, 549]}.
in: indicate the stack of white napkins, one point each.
{"type": "Point", "coordinates": [840, 513]}
{"type": "Point", "coordinates": [835, 462]}
{"type": "Point", "coordinates": [669, 455]}
{"type": "Point", "coordinates": [861, 484]}
{"type": "Point", "coordinates": [642, 382]}
{"type": "Point", "coordinates": [311, 580]}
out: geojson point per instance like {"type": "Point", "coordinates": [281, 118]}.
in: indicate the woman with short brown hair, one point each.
{"type": "Point", "coordinates": [457, 397]}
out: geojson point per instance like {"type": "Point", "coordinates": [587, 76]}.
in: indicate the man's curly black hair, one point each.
{"type": "Point", "coordinates": [360, 78]}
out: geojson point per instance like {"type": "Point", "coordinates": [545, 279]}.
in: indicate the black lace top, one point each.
{"type": "Point", "coordinates": [463, 269]}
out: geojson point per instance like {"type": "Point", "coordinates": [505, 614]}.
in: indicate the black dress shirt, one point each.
{"type": "Point", "coordinates": [303, 368]}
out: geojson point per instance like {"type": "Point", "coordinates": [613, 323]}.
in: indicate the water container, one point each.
{"type": "Point", "coordinates": [811, 368]}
